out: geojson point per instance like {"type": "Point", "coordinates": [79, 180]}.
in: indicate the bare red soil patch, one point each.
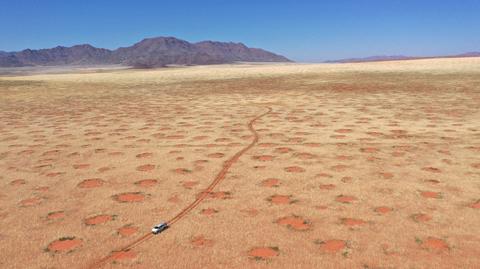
{"type": "Point", "coordinates": [280, 199]}
{"type": "Point", "coordinates": [147, 182]}
{"type": "Point", "coordinates": [432, 181]}
{"type": "Point", "coordinates": [42, 189]}
{"type": "Point", "coordinates": [432, 169]}
{"type": "Point", "coordinates": [283, 150]}
{"type": "Point", "coordinates": [343, 131]}
{"type": "Point", "coordinates": [344, 158]}
{"type": "Point", "coordinates": [189, 184]}
{"type": "Point", "coordinates": [98, 219]}
{"type": "Point", "coordinates": [31, 201]}
{"type": "Point", "coordinates": [263, 158]}
{"type": "Point", "coordinates": [91, 183]}
{"type": "Point", "coordinates": [294, 223]}
{"type": "Point", "coordinates": [270, 182]}
{"type": "Point", "coordinates": [81, 166]}
{"type": "Point", "coordinates": [127, 230]}
{"type": "Point", "coordinates": [182, 171]}
{"type": "Point", "coordinates": [369, 150]}
{"type": "Point", "coordinates": [327, 186]}
{"type": "Point", "coordinates": [55, 215]}
{"type": "Point", "coordinates": [144, 155]}
{"type": "Point", "coordinates": [339, 167]}
{"type": "Point", "coordinates": [263, 253]}
{"type": "Point", "coordinates": [431, 194]}
{"type": "Point", "coordinates": [201, 241]}
{"type": "Point", "coordinates": [420, 217]}
{"type": "Point", "coordinates": [104, 169]}
{"type": "Point", "coordinates": [346, 199]}
{"type": "Point", "coordinates": [476, 205]}
{"type": "Point", "coordinates": [386, 175]}
{"type": "Point", "coordinates": [128, 197]}
{"type": "Point", "coordinates": [145, 167]}
{"type": "Point", "coordinates": [64, 244]}
{"type": "Point", "coordinates": [18, 182]}
{"type": "Point", "coordinates": [305, 155]}
{"type": "Point", "coordinates": [383, 210]}
{"type": "Point", "coordinates": [219, 195]}
{"type": "Point", "coordinates": [332, 245]}
{"type": "Point", "coordinates": [216, 155]}
{"type": "Point", "coordinates": [353, 222]}
{"type": "Point", "coordinates": [433, 243]}
{"type": "Point", "coordinates": [294, 169]}
{"type": "Point", "coordinates": [326, 175]}
{"type": "Point", "coordinates": [54, 174]}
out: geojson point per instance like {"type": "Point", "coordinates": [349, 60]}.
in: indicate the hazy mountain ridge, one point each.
{"type": "Point", "coordinates": [380, 58]}
{"type": "Point", "coordinates": [150, 52]}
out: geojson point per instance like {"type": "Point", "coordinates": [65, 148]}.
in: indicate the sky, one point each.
{"type": "Point", "coordinates": [305, 31]}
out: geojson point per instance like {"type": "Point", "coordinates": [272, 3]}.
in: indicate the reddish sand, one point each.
{"type": "Point", "coordinates": [201, 241]}
{"type": "Point", "coordinates": [263, 253]}
{"type": "Point", "coordinates": [294, 222]}
{"type": "Point", "coordinates": [182, 171]}
{"type": "Point", "coordinates": [219, 195]}
{"type": "Point", "coordinates": [147, 182]}
{"type": "Point", "coordinates": [433, 243]}
{"type": "Point", "coordinates": [353, 222]}
{"type": "Point", "coordinates": [189, 184]}
{"type": "Point", "coordinates": [327, 187]}
{"type": "Point", "coordinates": [65, 244]}
{"type": "Point", "coordinates": [280, 199]}
{"type": "Point", "coordinates": [476, 205]}
{"type": "Point", "coordinates": [30, 201]}
{"type": "Point", "coordinates": [421, 217]}
{"type": "Point", "coordinates": [270, 182]}
{"type": "Point", "coordinates": [294, 169]}
{"type": "Point", "coordinates": [90, 183]}
{"type": "Point", "coordinates": [144, 155]}
{"type": "Point", "coordinates": [305, 156]}
{"type": "Point", "coordinates": [55, 215]}
{"type": "Point", "coordinates": [264, 158]}
{"type": "Point", "coordinates": [216, 155]}
{"type": "Point", "coordinates": [127, 230]}
{"type": "Point", "coordinates": [346, 199]}
{"type": "Point", "coordinates": [18, 182]}
{"type": "Point", "coordinates": [383, 209]}
{"type": "Point", "coordinates": [146, 167]}
{"type": "Point", "coordinates": [430, 194]}
{"type": "Point", "coordinates": [332, 246]}
{"type": "Point", "coordinates": [128, 197]}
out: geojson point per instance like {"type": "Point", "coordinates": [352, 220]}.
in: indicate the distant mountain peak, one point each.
{"type": "Point", "coordinates": [380, 58]}
{"type": "Point", "coordinates": [149, 52]}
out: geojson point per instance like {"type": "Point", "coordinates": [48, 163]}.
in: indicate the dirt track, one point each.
{"type": "Point", "coordinates": [353, 167]}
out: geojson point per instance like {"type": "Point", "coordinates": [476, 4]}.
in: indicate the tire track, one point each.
{"type": "Point", "coordinates": [218, 178]}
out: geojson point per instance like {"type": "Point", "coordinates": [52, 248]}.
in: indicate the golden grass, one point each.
{"type": "Point", "coordinates": [379, 161]}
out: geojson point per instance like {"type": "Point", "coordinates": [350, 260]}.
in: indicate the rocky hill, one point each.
{"type": "Point", "coordinates": [150, 52]}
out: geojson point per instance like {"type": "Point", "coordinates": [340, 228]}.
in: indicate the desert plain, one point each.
{"type": "Point", "coordinates": [367, 165]}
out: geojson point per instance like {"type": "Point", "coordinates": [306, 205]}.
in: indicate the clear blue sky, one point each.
{"type": "Point", "coordinates": [301, 30]}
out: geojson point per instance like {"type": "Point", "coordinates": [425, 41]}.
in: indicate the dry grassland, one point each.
{"type": "Point", "coordinates": [372, 165]}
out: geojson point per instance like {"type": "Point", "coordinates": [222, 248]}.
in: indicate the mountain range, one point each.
{"type": "Point", "coordinates": [400, 57]}
{"type": "Point", "coordinates": [150, 52]}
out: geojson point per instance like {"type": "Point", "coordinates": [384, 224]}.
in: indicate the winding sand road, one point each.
{"type": "Point", "coordinates": [218, 178]}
